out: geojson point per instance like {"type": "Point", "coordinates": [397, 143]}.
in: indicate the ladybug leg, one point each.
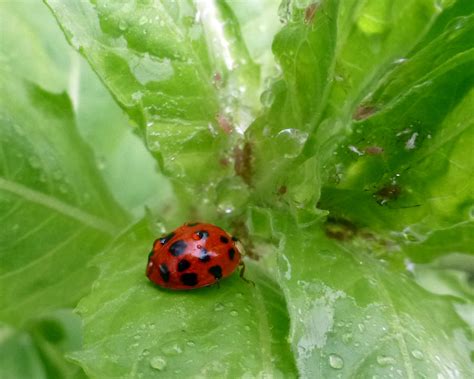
{"type": "Point", "coordinates": [218, 284]}
{"type": "Point", "coordinates": [242, 272]}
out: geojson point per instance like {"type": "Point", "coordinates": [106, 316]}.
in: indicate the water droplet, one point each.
{"type": "Point", "coordinates": [417, 354]}
{"type": "Point", "coordinates": [471, 213]}
{"type": "Point", "coordinates": [284, 12]}
{"type": "Point", "coordinates": [232, 195]}
{"type": "Point", "coordinates": [122, 25]}
{"type": "Point", "coordinates": [136, 96]}
{"type": "Point", "coordinates": [335, 361]}
{"type": "Point", "coordinates": [361, 327]}
{"type": "Point", "coordinates": [409, 265]}
{"type": "Point", "coordinates": [173, 349]}
{"type": "Point", "coordinates": [355, 150]}
{"type": "Point", "coordinates": [219, 307]}
{"type": "Point", "coordinates": [291, 141]}
{"type": "Point", "coordinates": [346, 337]}
{"type": "Point", "coordinates": [234, 313]}
{"type": "Point", "coordinates": [384, 360]}
{"type": "Point", "coordinates": [267, 98]}
{"type": "Point", "coordinates": [34, 162]}
{"type": "Point", "coordinates": [411, 143]}
{"type": "Point", "coordinates": [158, 363]}
{"type": "Point", "coordinates": [400, 61]}
{"type": "Point", "coordinates": [101, 163]}
{"type": "Point", "coordinates": [143, 20]}
{"type": "Point", "coordinates": [190, 343]}
{"type": "Point", "coordinates": [247, 328]}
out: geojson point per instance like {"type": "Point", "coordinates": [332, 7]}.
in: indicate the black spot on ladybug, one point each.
{"type": "Point", "coordinates": [216, 271]}
{"type": "Point", "coordinates": [164, 272]}
{"type": "Point", "coordinates": [204, 256]}
{"type": "Point", "coordinates": [202, 234]}
{"type": "Point", "coordinates": [178, 248]}
{"type": "Point", "coordinates": [231, 253]}
{"type": "Point", "coordinates": [224, 239]}
{"type": "Point", "coordinates": [235, 239]}
{"type": "Point", "coordinates": [183, 264]}
{"type": "Point", "coordinates": [165, 239]}
{"type": "Point", "coordinates": [189, 279]}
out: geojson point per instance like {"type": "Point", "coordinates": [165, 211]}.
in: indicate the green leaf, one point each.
{"type": "Point", "coordinates": [134, 329]}
{"type": "Point", "coordinates": [411, 160]}
{"type": "Point", "coordinates": [55, 210]}
{"type": "Point", "coordinates": [259, 24]}
{"type": "Point", "coordinates": [180, 72]}
{"type": "Point", "coordinates": [337, 66]}
{"type": "Point", "coordinates": [57, 215]}
{"type": "Point", "coordinates": [457, 239]}
{"type": "Point", "coordinates": [106, 128]}
{"type": "Point", "coordinates": [38, 351]}
{"type": "Point", "coordinates": [33, 45]}
{"type": "Point", "coordinates": [50, 192]}
{"type": "Point", "coordinates": [368, 90]}
{"type": "Point", "coordinates": [354, 316]}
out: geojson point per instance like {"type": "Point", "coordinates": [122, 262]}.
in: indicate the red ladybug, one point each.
{"type": "Point", "coordinates": [193, 256]}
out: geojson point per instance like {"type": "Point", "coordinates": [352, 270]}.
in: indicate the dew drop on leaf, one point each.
{"type": "Point", "coordinates": [234, 313]}
{"type": "Point", "coordinates": [34, 162]}
{"type": "Point", "coordinates": [173, 349]}
{"type": "Point", "coordinates": [291, 141]}
{"type": "Point", "coordinates": [335, 361]}
{"type": "Point", "coordinates": [122, 25]}
{"type": "Point", "coordinates": [101, 163]}
{"type": "Point", "coordinates": [158, 363]}
{"type": "Point", "coordinates": [417, 354]}
{"type": "Point", "coordinates": [267, 98]}
{"type": "Point", "coordinates": [219, 307]}
{"type": "Point", "coordinates": [384, 360]}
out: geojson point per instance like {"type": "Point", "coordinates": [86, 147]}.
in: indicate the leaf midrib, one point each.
{"type": "Point", "coordinates": [57, 205]}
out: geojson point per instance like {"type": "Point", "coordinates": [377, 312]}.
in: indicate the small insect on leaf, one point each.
{"type": "Point", "coordinates": [310, 12]}
{"type": "Point", "coordinates": [363, 111]}
{"type": "Point", "coordinates": [388, 193]}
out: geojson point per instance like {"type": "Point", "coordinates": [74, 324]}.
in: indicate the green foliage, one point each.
{"type": "Point", "coordinates": [145, 332]}
{"type": "Point", "coordinates": [337, 144]}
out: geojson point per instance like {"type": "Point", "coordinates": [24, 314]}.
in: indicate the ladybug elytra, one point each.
{"type": "Point", "coordinates": [193, 256]}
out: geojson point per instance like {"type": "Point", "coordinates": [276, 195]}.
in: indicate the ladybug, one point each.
{"type": "Point", "coordinates": [193, 256]}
